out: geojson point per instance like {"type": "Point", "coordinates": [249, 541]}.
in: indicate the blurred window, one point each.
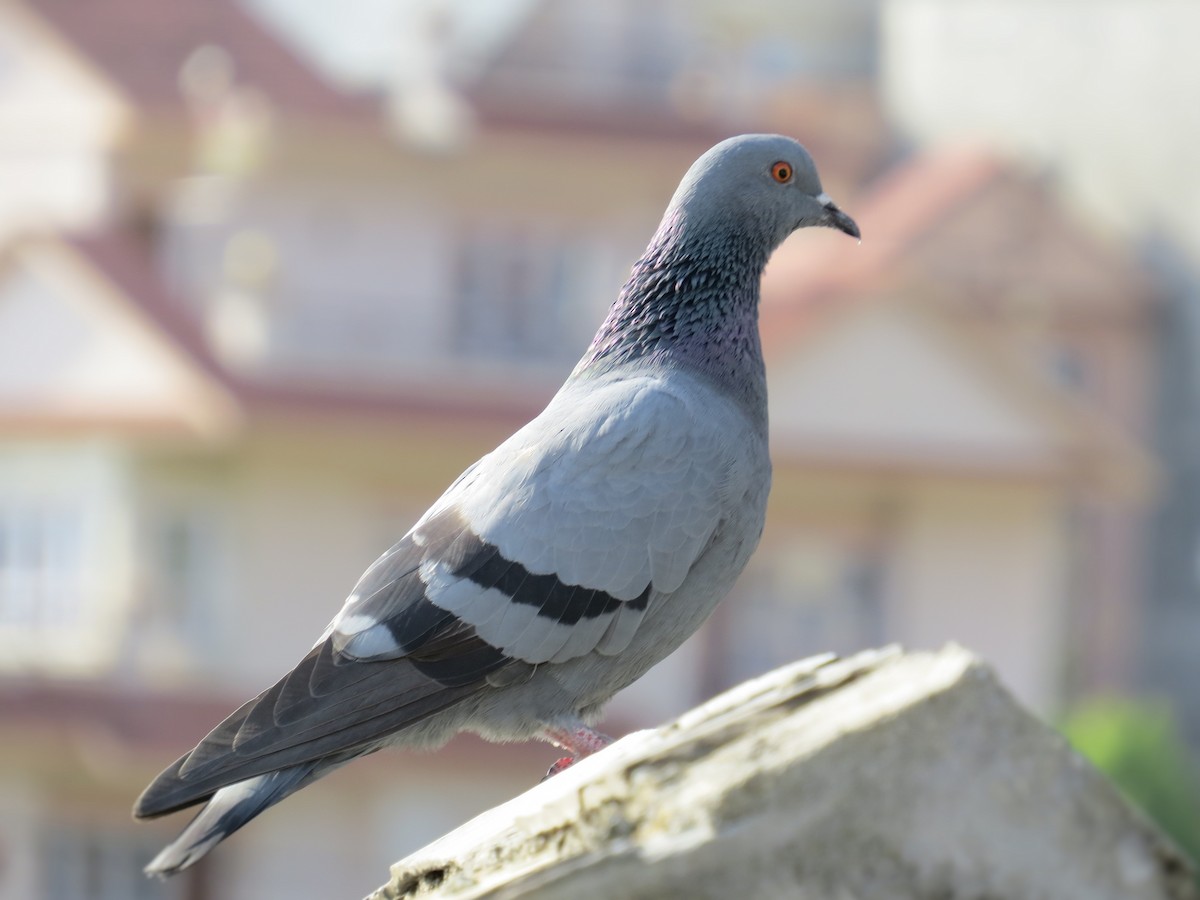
{"type": "Point", "coordinates": [185, 545]}
{"type": "Point", "coordinates": [348, 328]}
{"type": "Point", "coordinates": [818, 594]}
{"type": "Point", "coordinates": [512, 285]}
{"type": "Point", "coordinates": [102, 862]}
{"type": "Point", "coordinates": [41, 563]}
{"type": "Point", "coordinates": [1069, 368]}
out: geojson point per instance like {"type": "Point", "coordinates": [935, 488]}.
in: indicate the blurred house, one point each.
{"type": "Point", "coordinates": [980, 364]}
{"type": "Point", "coordinates": [1086, 94]}
{"type": "Point", "coordinates": [250, 328]}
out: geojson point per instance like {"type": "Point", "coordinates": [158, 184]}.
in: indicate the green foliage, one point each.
{"type": "Point", "coordinates": [1137, 745]}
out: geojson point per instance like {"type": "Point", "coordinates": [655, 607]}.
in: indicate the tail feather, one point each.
{"type": "Point", "coordinates": [229, 809]}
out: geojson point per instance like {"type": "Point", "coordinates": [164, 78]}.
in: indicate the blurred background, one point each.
{"type": "Point", "coordinates": [272, 272]}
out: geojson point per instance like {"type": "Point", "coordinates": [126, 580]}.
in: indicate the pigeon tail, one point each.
{"type": "Point", "coordinates": [229, 809]}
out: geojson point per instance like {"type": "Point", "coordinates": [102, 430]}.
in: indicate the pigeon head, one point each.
{"type": "Point", "coordinates": [691, 301]}
{"type": "Point", "coordinates": [764, 185]}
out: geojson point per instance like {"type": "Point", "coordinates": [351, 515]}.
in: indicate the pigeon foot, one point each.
{"type": "Point", "coordinates": [577, 739]}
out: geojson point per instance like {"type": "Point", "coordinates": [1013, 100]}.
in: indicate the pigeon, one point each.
{"type": "Point", "coordinates": [562, 565]}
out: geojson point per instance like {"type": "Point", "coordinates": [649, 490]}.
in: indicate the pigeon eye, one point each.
{"type": "Point", "coordinates": [781, 171]}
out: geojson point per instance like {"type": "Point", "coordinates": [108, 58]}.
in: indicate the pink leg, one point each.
{"type": "Point", "coordinates": [577, 739]}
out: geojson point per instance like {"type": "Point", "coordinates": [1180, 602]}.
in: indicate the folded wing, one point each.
{"type": "Point", "coordinates": [551, 547]}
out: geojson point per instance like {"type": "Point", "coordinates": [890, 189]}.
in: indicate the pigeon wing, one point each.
{"type": "Point", "coordinates": [554, 545]}
{"type": "Point", "coordinates": [551, 547]}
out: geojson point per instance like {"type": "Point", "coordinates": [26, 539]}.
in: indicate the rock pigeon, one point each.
{"type": "Point", "coordinates": [565, 563]}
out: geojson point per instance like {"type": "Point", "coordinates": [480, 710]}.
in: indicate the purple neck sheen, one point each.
{"type": "Point", "coordinates": [691, 302]}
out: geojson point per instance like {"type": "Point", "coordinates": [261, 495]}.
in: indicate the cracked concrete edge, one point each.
{"type": "Point", "coordinates": [559, 807]}
{"type": "Point", "coordinates": [659, 805]}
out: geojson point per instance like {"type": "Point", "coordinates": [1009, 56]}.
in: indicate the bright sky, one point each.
{"type": "Point", "coordinates": [360, 43]}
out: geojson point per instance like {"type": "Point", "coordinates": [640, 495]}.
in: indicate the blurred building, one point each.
{"type": "Point", "coordinates": [255, 315]}
{"type": "Point", "coordinates": [1106, 100]}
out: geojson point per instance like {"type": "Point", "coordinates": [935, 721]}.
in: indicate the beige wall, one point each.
{"type": "Point", "coordinates": [981, 562]}
{"type": "Point", "coordinates": [986, 567]}
{"type": "Point", "coordinates": [883, 382]}
{"type": "Point", "coordinates": [302, 511]}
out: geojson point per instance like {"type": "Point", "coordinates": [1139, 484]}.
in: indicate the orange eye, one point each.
{"type": "Point", "coordinates": [781, 171]}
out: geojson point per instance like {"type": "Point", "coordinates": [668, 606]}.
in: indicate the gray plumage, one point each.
{"type": "Point", "coordinates": [580, 552]}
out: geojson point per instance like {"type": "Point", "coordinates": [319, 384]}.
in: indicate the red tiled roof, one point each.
{"type": "Point", "coordinates": [129, 265]}
{"type": "Point", "coordinates": [134, 717]}
{"type": "Point", "coordinates": [142, 44]}
{"type": "Point", "coordinates": [962, 216]}
{"type": "Point", "coordinates": [893, 216]}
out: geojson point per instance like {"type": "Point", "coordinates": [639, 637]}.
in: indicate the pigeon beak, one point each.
{"type": "Point", "coordinates": [835, 218]}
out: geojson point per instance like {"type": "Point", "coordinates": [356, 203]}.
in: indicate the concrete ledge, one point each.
{"type": "Point", "coordinates": [885, 775]}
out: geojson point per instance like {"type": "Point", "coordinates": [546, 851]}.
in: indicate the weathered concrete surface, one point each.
{"type": "Point", "coordinates": [884, 775]}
